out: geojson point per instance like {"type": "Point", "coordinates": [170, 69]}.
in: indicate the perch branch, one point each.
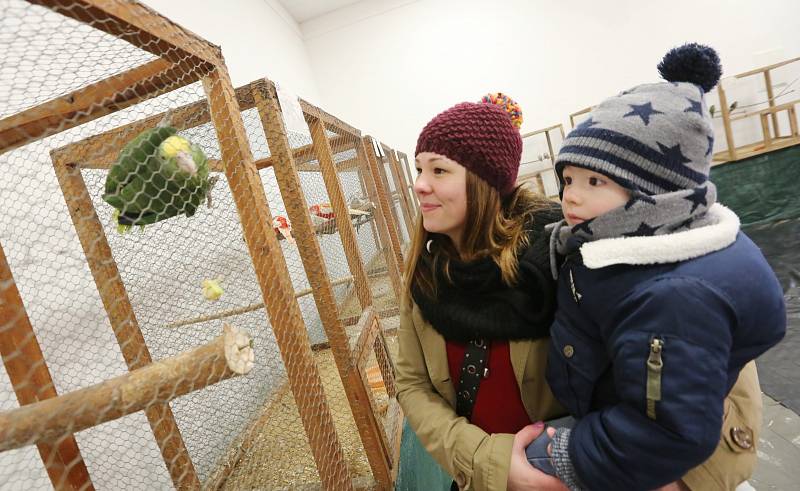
{"type": "Point", "coordinates": [157, 383]}
{"type": "Point", "coordinates": [248, 308]}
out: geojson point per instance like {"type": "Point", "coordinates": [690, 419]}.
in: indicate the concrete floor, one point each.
{"type": "Point", "coordinates": [778, 449]}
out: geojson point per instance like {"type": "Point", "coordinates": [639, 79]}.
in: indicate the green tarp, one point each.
{"type": "Point", "coordinates": [761, 189]}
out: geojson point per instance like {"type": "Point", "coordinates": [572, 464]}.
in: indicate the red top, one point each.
{"type": "Point", "coordinates": [498, 408]}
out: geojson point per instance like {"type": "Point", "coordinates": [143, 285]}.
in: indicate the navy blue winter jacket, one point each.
{"type": "Point", "coordinates": [702, 319]}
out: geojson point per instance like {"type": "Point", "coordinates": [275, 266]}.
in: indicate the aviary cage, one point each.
{"type": "Point", "coordinates": [112, 354]}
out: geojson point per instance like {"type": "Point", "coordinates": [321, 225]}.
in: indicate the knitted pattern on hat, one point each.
{"type": "Point", "coordinates": [481, 137]}
{"type": "Point", "coordinates": [654, 138]}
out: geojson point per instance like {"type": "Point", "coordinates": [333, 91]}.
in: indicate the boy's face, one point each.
{"type": "Point", "coordinates": [588, 194]}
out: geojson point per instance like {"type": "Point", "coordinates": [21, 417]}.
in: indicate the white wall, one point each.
{"type": "Point", "coordinates": [258, 39]}
{"type": "Point", "coordinates": [388, 66]}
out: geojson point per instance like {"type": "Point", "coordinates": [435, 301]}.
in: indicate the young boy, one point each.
{"type": "Point", "coordinates": [661, 299]}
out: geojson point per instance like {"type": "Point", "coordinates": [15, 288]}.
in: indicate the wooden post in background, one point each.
{"type": "Point", "coordinates": [121, 316]}
{"type": "Point", "coordinates": [384, 198]}
{"type": "Point", "coordinates": [30, 378]}
{"type": "Point", "coordinates": [358, 395]}
{"type": "Point", "coordinates": [401, 188]}
{"type": "Point", "coordinates": [273, 278]}
{"type": "Point", "coordinates": [726, 121]}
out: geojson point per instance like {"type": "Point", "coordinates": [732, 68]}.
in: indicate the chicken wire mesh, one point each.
{"type": "Point", "coordinates": [410, 177]}
{"type": "Point", "coordinates": [331, 260]}
{"type": "Point", "coordinates": [389, 170]}
{"type": "Point", "coordinates": [125, 247]}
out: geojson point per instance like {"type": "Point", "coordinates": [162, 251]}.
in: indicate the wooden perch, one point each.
{"type": "Point", "coordinates": [246, 308]}
{"type": "Point", "coordinates": [157, 383]}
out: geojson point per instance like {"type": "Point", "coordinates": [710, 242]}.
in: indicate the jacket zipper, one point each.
{"type": "Point", "coordinates": [654, 366]}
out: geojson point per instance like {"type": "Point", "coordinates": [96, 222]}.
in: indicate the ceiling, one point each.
{"type": "Point", "coordinates": [303, 10]}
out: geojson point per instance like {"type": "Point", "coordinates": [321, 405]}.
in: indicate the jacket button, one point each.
{"type": "Point", "coordinates": [569, 351]}
{"type": "Point", "coordinates": [742, 437]}
{"type": "Point", "coordinates": [461, 481]}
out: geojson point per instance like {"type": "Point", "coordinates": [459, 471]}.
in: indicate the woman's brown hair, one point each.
{"type": "Point", "coordinates": [496, 227]}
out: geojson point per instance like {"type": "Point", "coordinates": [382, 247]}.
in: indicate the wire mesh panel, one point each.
{"type": "Point", "coordinates": [374, 161]}
{"type": "Point", "coordinates": [326, 264]}
{"type": "Point", "coordinates": [400, 194]}
{"type": "Point", "coordinates": [410, 177]}
{"type": "Point", "coordinates": [135, 217]}
{"type": "Point", "coordinates": [394, 187]}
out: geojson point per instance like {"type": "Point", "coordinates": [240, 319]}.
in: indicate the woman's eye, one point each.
{"type": "Point", "coordinates": [438, 170]}
{"type": "Point", "coordinates": [567, 180]}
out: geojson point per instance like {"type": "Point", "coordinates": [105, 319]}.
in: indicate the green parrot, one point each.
{"type": "Point", "coordinates": [158, 175]}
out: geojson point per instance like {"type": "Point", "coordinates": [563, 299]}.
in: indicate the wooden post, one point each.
{"type": "Point", "coordinates": [401, 189]}
{"type": "Point", "coordinates": [382, 187]}
{"type": "Point", "coordinates": [154, 384]}
{"type": "Point", "coordinates": [410, 178]}
{"type": "Point", "coordinates": [377, 149]}
{"type": "Point", "coordinates": [122, 317]}
{"type": "Point", "coordinates": [765, 130]}
{"type": "Point", "coordinates": [771, 100]}
{"type": "Point", "coordinates": [372, 199]}
{"type": "Point", "coordinates": [30, 378]}
{"type": "Point", "coordinates": [550, 147]}
{"type": "Point", "coordinates": [370, 429]}
{"type": "Point", "coordinates": [141, 26]}
{"type": "Point", "coordinates": [273, 279]}
{"type": "Point", "coordinates": [726, 121]}
{"type": "Point", "coordinates": [93, 101]}
{"type": "Point", "coordinates": [324, 154]}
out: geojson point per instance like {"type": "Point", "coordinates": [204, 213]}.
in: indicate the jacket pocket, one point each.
{"type": "Point", "coordinates": [575, 363]}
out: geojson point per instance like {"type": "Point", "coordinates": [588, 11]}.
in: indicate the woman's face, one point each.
{"type": "Point", "coordinates": [441, 186]}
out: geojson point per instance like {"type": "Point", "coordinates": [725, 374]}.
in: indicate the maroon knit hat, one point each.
{"type": "Point", "coordinates": [483, 137]}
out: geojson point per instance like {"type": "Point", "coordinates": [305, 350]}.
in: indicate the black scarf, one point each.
{"type": "Point", "coordinates": [477, 304]}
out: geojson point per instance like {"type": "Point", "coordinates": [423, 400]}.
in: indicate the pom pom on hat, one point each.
{"type": "Point", "coordinates": [667, 126]}
{"type": "Point", "coordinates": [694, 63]}
{"type": "Point", "coordinates": [507, 103]}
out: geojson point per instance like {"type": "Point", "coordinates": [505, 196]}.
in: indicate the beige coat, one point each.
{"type": "Point", "coordinates": [480, 461]}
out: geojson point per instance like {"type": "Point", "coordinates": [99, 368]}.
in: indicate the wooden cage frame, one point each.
{"type": "Point", "coordinates": [382, 449]}
{"type": "Point", "coordinates": [771, 136]}
{"type": "Point", "coordinates": [410, 178]}
{"type": "Point", "coordinates": [579, 113]}
{"type": "Point", "coordinates": [398, 197]}
{"type": "Point", "coordinates": [184, 58]}
{"type": "Point", "coordinates": [535, 177]}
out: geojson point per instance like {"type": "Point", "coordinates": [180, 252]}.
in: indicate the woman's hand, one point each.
{"type": "Point", "coordinates": [522, 476]}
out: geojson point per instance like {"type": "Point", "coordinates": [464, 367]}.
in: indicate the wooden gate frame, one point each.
{"type": "Point", "coordinates": [183, 58]}
{"type": "Point", "coordinates": [98, 151]}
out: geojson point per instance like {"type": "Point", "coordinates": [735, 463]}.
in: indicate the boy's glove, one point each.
{"type": "Point", "coordinates": [538, 456]}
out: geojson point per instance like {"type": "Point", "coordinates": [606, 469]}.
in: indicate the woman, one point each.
{"type": "Point", "coordinates": [478, 308]}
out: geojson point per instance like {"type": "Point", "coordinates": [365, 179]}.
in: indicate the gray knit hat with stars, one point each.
{"type": "Point", "coordinates": [654, 138]}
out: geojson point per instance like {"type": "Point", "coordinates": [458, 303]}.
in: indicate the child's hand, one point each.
{"type": "Point", "coordinates": [522, 476]}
